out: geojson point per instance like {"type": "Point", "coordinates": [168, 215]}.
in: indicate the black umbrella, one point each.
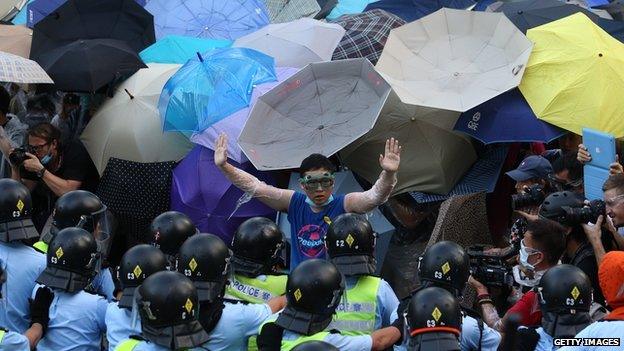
{"type": "Point", "coordinates": [94, 19]}
{"type": "Point", "coordinates": [532, 13]}
{"type": "Point", "coordinates": [87, 65]}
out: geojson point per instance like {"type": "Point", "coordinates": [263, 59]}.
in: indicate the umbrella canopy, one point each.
{"type": "Point", "coordinates": [296, 43]}
{"type": "Point", "coordinates": [345, 183]}
{"type": "Point", "coordinates": [532, 13]}
{"type": "Point", "coordinates": [9, 8]}
{"type": "Point", "coordinates": [16, 69]}
{"type": "Point", "coordinates": [326, 7]}
{"type": "Point", "coordinates": [281, 11]}
{"type": "Point", "coordinates": [36, 10]}
{"type": "Point", "coordinates": [20, 17]}
{"type": "Point", "coordinates": [88, 65]}
{"type": "Point", "coordinates": [321, 109]}
{"type": "Point", "coordinates": [366, 34]}
{"type": "Point", "coordinates": [411, 10]}
{"type": "Point", "coordinates": [454, 59]}
{"type": "Point", "coordinates": [481, 177]}
{"type": "Point", "coordinates": [216, 19]}
{"type": "Point", "coordinates": [506, 118]}
{"type": "Point", "coordinates": [233, 124]}
{"type": "Point", "coordinates": [586, 5]}
{"type": "Point", "coordinates": [574, 76]}
{"type": "Point", "coordinates": [348, 7]}
{"type": "Point", "coordinates": [123, 20]}
{"type": "Point", "coordinates": [206, 90]}
{"type": "Point", "coordinates": [179, 49]}
{"type": "Point", "coordinates": [203, 193]}
{"type": "Point", "coordinates": [615, 9]}
{"type": "Point", "coordinates": [433, 160]}
{"type": "Point", "coordinates": [15, 40]}
{"type": "Point", "coordinates": [129, 127]}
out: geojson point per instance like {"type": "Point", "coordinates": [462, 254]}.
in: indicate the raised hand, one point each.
{"type": "Point", "coordinates": [220, 151]}
{"type": "Point", "coordinates": [391, 158]}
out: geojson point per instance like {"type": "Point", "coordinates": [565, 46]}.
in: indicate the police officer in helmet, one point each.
{"type": "Point", "coordinates": [205, 259]}
{"type": "Point", "coordinates": [434, 320]}
{"type": "Point", "coordinates": [22, 263]}
{"type": "Point", "coordinates": [71, 261]}
{"type": "Point", "coordinates": [138, 263]}
{"type": "Point", "coordinates": [565, 298]}
{"type": "Point", "coordinates": [169, 307]}
{"type": "Point", "coordinates": [350, 243]}
{"type": "Point", "coordinates": [257, 247]}
{"type": "Point", "coordinates": [445, 264]}
{"type": "Point", "coordinates": [314, 290]}
{"type": "Point", "coordinates": [168, 231]}
{"type": "Point", "coordinates": [315, 346]}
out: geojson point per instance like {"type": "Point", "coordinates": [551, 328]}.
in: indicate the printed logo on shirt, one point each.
{"type": "Point", "coordinates": [310, 240]}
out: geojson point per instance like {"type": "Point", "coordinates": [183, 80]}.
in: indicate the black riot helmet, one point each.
{"type": "Point", "coordinates": [445, 264]}
{"type": "Point", "coordinates": [77, 208]}
{"type": "Point", "coordinates": [15, 212]}
{"type": "Point", "coordinates": [313, 291]}
{"type": "Point", "coordinates": [434, 320]}
{"type": "Point", "coordinates": [138, 263]}
{"type": "Point", "coordinates": [170, 229]}
{"type": "Point", "coordinates": [257, 246]}
{"type": "Point", "coordinates": [350, 243]}
{"type": "Point", "coordinates": [71, 260]}
{"type": "Point", "coordinates": [554, 205]}
{"type": "Point", "coordinates": [315, 346]}
{"type": "Point", "coordinates": [565, 297]}
{"type": "Point", "coordinates": [205, 259]}
{"type": "Point", "coordinates": [169, 310]}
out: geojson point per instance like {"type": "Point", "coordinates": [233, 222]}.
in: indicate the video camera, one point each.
{"type": "Point", "coordinates": [494, 269]}
{"type": "Point", "coordinates": [533, 196]}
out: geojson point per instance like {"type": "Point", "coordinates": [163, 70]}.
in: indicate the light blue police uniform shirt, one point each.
{"type": "Point", "coordinates": [342, 342]}
{"type": "Point", "coordinates": [470, 336]}
{"type": "Point", "coordinates": [102, 284]}
{"type": "Point", "coordinates": [76, 322]}
{"type": "Point", "coordinates": [119, 325]}
{"type": "Point", "coordinates": [605, 329]}
{"type": "Point", "coordinates": [545, 342]}
{"type": "Point", "coordinates": [14, 342]}
{"type": "Point", "coordinates": [22, 265]}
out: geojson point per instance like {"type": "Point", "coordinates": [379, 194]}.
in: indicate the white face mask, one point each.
{"type": "Point", "coordinates": [524, 280]}
{"type": "Point", "coordinates": [525, 252]}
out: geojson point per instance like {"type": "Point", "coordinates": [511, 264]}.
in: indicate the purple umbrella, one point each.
{"type": "Point", "coordinates": [234, 123]}
{"type": "Point", "coordinates": [200, 191]}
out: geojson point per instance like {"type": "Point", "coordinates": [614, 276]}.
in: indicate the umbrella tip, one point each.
{"type": "Point", "coordinates": [201, 59]}
{"type": "Point", "coordinates": [130, 95]}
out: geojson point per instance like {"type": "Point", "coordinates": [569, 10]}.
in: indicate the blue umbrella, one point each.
{"type": "Point", "coordinates": [506, 118]}
{"type": "Point", "coordinates": [38, 9]}
{"type": "Point", "coordinates": [21, 16]}
{"type": "Point", "coordinates": [411, 10]}
{"type": "Point", "coordinates": [348, 7]}
{"type": "Point", "coordinates": [179, 49]}
{"type": "Point", "coordinates": [217, 19]}
{"type": "Point", "coordinates": [481, 177]}
{"type": "Point", "coordinates": [211, 87]}
{"type": "Point", "coordinates": [482, 5]}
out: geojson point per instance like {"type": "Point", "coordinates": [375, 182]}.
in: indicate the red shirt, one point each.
{"type": "Point", "coordinates": [528, 309]}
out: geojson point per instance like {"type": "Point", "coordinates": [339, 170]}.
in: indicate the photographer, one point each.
{"type": "Point", "coordinates": [51, 169]}
{"type": "Point", "coordinates": [567, 173]}
{"type": "Point", "coordinates": [540, 249]}
{"type": "Point", "coordinates": [532, 178]}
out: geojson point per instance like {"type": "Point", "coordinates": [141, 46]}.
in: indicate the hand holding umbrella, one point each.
{"type": "Point", "coordinates": [391, 159]}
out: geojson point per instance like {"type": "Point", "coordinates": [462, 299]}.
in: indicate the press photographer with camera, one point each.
{"type": "Point", "coordinates": [50, 169]}
{"type": "Point", "coordinates": [540, 248]}
{"type": "Point", "coordinates": [532, 179]}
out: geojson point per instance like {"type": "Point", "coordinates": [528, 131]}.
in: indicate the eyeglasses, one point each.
{"type": "Point", "coordinates": [36, 148]}
{"type": "Point", "coordinates": [529, 250]}
{"type": "Point", "coordinates": [311, 183]}
{"type": "Point", "coordinates": [614, 200]}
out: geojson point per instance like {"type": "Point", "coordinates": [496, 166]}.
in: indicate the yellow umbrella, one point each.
{"type": "Point", "coordinates": [575, 76]}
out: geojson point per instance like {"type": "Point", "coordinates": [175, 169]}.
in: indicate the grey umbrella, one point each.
{"type": "Point", "coordinates": [320, 109]}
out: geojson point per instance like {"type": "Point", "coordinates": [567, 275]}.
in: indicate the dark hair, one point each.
{"type": "Point", "coordinates": [5, 100]}
{"type": "Point", "coordinates": [615, 181]}
{"type": "Point", "coordinates": [550, 238]}
{"type": "Point", "coordinates": [45, 131]}
{"type": "Point", "coordinates": [568, 161]}
{"type": "Point", "coordinates": [41, 102]}
{"type": "Point", "coordinates": [316, 161]}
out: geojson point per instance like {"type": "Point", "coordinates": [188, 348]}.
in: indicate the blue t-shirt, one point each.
{"type": "Point", "coordinates": [308, 229]}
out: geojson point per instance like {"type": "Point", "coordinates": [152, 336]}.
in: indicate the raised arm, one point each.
{"type": "Point", "coordinates": [277, 199]}
{"type": "Point", "coordinates": [366, 201]}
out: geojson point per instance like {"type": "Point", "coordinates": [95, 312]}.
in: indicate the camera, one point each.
{"type": "Point", "coordinates": [589, 213]}
{"type": "Point", "coordinates": [533, 196]}
{"type": "Point", "coordinates": [18, 156]}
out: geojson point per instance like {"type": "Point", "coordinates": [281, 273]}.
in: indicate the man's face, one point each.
{"type": "Point", "coordinates": [318, 185]}
{"type": "Point", "coordinates": [41, 147]}
{"type": "Point", "coordinates": [525, 183]}
{"type": "Point", "coordinates": [561, 181]}
{"type": "Point", "coordinates": [614, 205]}
{"type": "Point", "coordinates": [536, 257]}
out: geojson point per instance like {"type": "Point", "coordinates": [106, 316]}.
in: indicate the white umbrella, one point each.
{"type": "Point", "coordinates": [17, 69]}
{"type": "Point", "coordinates": [454, 59]}
{"type": "Point", "coordinates": [296, 43]}
{"type": "Point", "coordinates": [9, 8]}
{"type": "Point", "coordinates": [128, 126]}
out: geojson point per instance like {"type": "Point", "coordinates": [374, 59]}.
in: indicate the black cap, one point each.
{"type": "Point", "coordinates": [256, 246]}
{"type": "Point", "coordinates": [565, 288]}
{"type": "Point", "coordinates": [138, 263]}
{"type": "Point", "coordinates": [445, 264]}
{"type": "Point", "coordinates": [169, 308]}
{"type": "Point", "coordinates": [71, 260]}
{"type": "Point", "coordinates": [350, 242]}
{"type": "Point", "coordinates": [170, 229]}
{"type": "Point", "coordinates": [15, 212]}
{"type": "Point", "coordinates": [434, 320]}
